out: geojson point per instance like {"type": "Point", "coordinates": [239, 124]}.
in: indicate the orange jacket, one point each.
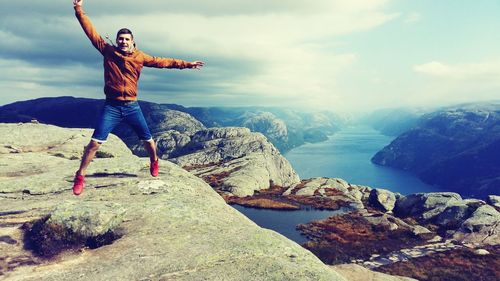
{"type": "Point", "coordinates": [122, 71]}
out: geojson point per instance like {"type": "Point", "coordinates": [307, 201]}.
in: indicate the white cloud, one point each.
{"type": "Point", "coordinates": [25, 81]}
{"type": "Point", "coordinates": [291, 50]}
{"type": "Point", "coordinates": [464, 71]}
{"type": "Point", "coordinates": [266, 51]}
{"type": "Point", "coordinates": [444, 83]}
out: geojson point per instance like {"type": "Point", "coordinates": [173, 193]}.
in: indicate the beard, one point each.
{"type": "Point", "coordinates": [126, 49]}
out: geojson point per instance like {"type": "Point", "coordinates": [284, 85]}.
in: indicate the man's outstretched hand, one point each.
{"type": "Point", "coordinates": [77, 2]}
{"type": "Point", "coordinates": [195, 64]}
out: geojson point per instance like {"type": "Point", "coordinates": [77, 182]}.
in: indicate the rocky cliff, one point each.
{"type": "Point", "coordinates": [129, 226]}
{"type": "Point", "coordinates": [455, 149]}
{"type": "Point", "coordinates": [234, 160]}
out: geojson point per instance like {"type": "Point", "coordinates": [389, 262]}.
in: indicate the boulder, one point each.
{"type": "Point", "coordinates": [452, 217]}
{"type": "Point", "coordinates": [425, 205]}
{"type": "Point", "coordinates": [87, 219]}
{"type": "Point", "coordinates": [483, 227]}
{"type": "Point", "coordinates": [382, 199]}
{"type": "Point", "coordinates": [74, 225]}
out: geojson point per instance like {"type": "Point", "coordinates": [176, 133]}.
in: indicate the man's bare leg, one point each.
{"type": "Point", "coordinates": [150, 146]}
{"type": "Point", "coordinates": [88, 155]}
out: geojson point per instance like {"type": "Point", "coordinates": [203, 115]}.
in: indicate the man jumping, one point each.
{"type": "Point", "coordinates": [122, 68]}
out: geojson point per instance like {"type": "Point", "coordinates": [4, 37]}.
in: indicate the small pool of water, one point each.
{"type": "Point", "coordinates": [285, 222]}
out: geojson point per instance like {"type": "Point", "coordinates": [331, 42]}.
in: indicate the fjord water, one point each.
{"type": "Point", "coordinates": [347, 155]}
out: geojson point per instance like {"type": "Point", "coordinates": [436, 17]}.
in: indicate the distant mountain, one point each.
{"type": "Point", "coordinates": [456, 148]}
{"type": "Point", "coordinates": [82, 113]}
{"type": "Point", "coordinates": [285, 128]}
{"type": "Point", "coordinates": [393, 121]}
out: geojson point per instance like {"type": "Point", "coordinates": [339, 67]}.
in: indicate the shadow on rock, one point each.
{"type": "Point", "coordinates": [112, 175]}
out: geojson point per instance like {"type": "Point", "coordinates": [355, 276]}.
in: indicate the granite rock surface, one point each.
{"type": "Point", "coordinates": [175, 227]}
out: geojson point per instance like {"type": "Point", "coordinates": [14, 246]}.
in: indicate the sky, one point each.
{"type": "Point", "coordinates": [347, 56]}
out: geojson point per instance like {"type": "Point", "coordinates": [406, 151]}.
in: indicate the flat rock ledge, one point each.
{"type": "Point", "coordinates": [174, 227]}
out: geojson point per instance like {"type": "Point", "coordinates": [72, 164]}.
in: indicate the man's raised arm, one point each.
{"type": "Point", "coordinates": [159, 62]}
{"type": "Point", "coordinates": [88, 27]}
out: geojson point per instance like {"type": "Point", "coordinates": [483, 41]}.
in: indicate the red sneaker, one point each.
{"type": "Point", "coordinates": [154, 168]}
{"type": "Point", "coordinates": [78, 184]}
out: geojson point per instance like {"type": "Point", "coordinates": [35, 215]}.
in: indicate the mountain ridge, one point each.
{"type": "Point", "coordinates": [453, 148]}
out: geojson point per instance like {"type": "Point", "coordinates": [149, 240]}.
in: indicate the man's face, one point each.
{"type": "Point", "coordinates": [125, 42]}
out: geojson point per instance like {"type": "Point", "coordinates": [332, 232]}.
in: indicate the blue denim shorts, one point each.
{"type": "Point", "coordinates": [115, 112]}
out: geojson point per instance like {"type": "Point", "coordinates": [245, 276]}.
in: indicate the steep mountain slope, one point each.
{"type": "Point", "coordinates": [455, 148]}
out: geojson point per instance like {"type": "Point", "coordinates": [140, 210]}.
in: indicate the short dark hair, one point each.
{"type": "Point", "coordinates": [124, 31]}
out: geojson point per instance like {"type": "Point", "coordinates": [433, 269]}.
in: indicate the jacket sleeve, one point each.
{"type": "Point", "coordinates": [90, 30]}
{"type": "Point", "coordinates": [159, 62]}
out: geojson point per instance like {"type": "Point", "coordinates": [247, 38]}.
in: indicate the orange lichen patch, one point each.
{"type": "Point", "coordinates": [269, 198]}
{"type": "Point", "coordinates": [330, 192]}
{"type": "Point", "coordinates": [299, 186]}
{"type": "Point", "coordinates": [216, 180]}
{"type": "Point", "coordinates": [457, 265]}
{"type": "Point", "coordinates": [263, 203]}
{"type": "Point", "coordinates": [318, 202]}
{"type": "Point", "coordinates": [340, 239]}
{"type": "Point", "coordinates": [275, 190]}
{"type": "Point", "coordinates": [274, 198]}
